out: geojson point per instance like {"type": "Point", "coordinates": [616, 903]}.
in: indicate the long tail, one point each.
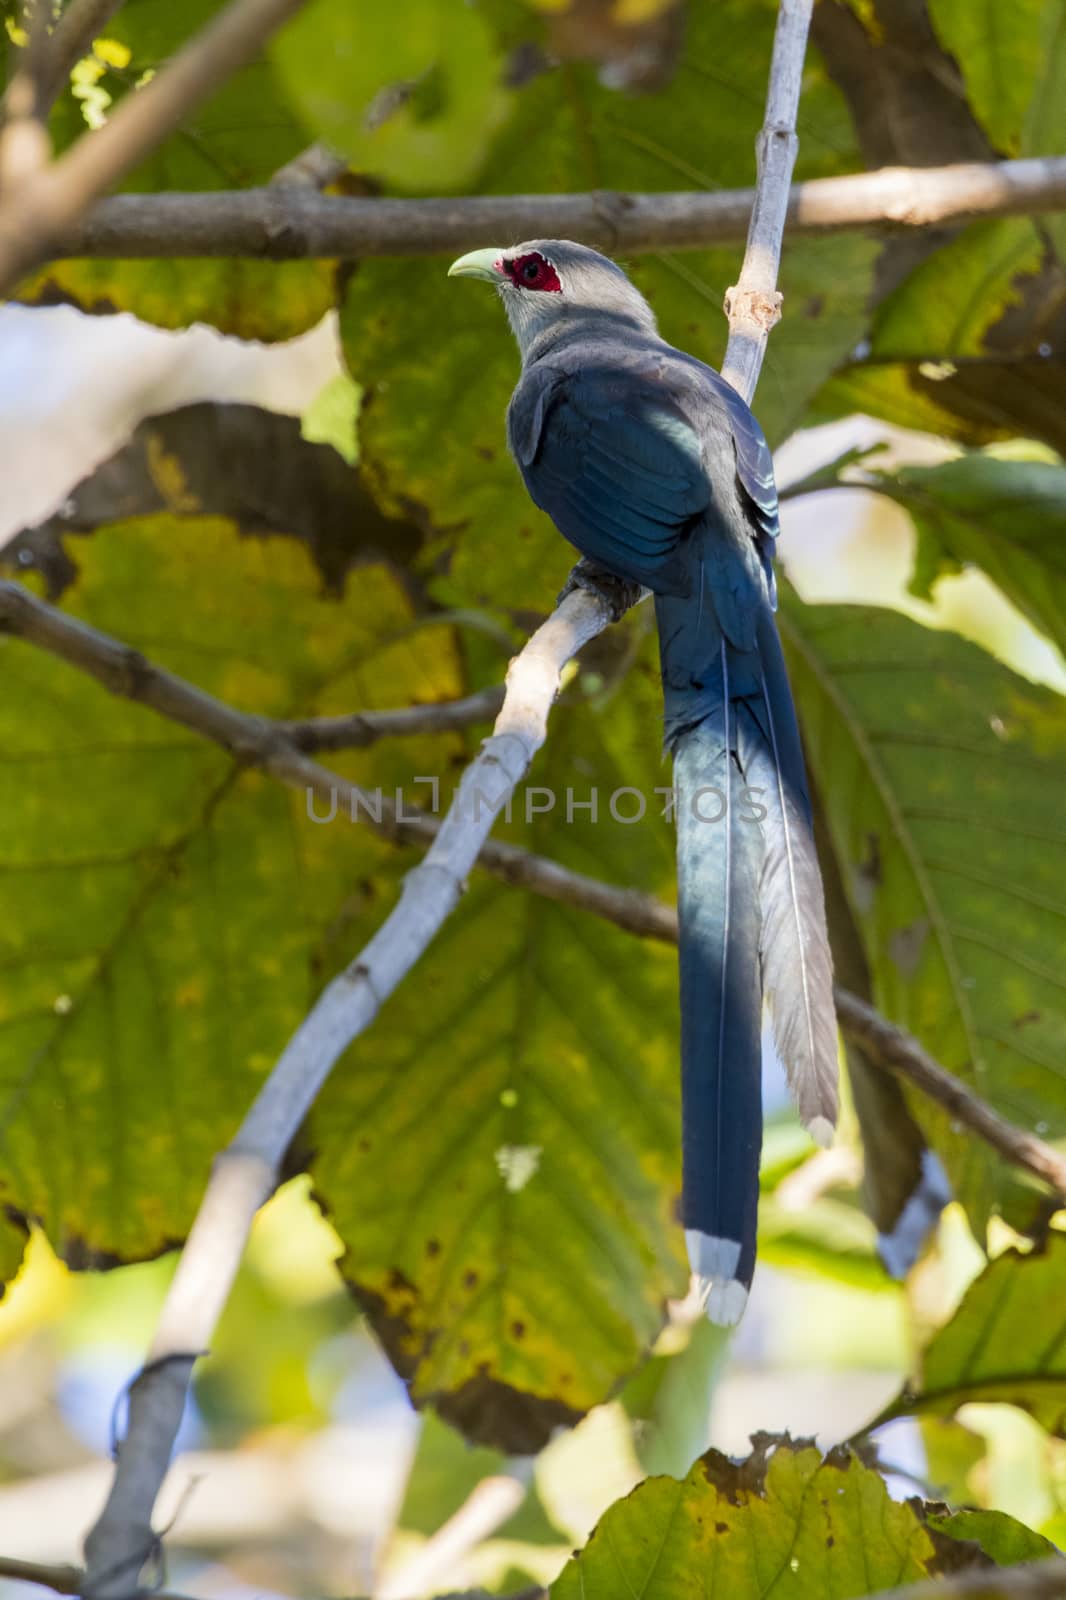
{"type": "Point", "coordinates": [752, 923]}
{"type": "Point", "coordinates": [719, 856]}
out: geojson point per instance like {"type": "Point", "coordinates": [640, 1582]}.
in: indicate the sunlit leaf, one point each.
{"type": "Point", "coordinates": [1006, 1343]}
{"type": "Point", "coordinates": [796, 1524]}
{"type": "Point", "coordinates": [1000, 52]}
{"type": "Point", "coordinates": [1006, 517]}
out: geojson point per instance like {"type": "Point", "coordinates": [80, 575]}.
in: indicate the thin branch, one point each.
{"type": "Point", "coordinates": [753, 304]}
{"type": "Point", "coordinates": [286, 222]}
{"type": "Point", "coordinates": [246, 1172]}
{"type": "Point", "coordinates": [900, 1052]}
{"type": "Point", "coordinates": [314, 168]}
{"type": "Point", "coordinates": [1033, 1580]}
{"type": "Point", "coordinates": [36, 211]}
{"type": "Point", "coordinates": [362, 728]}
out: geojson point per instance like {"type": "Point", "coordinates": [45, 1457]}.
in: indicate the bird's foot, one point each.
{"type": "Point", "coordinates": [619, 593]}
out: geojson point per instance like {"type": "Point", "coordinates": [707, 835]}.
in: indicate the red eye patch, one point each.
{"type": "Point", "coordinates": [533, 272]}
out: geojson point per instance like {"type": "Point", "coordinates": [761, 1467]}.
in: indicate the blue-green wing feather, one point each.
{"type": "Point", "coordinates": [616, 466]}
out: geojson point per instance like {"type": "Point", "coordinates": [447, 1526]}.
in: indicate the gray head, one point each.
{"type": "Point", "coordinates": [552, 286]}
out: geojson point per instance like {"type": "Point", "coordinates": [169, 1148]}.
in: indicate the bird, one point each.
{"type": "Point", "coordinates": [653, 467]}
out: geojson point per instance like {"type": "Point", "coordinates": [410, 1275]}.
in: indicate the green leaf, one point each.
{"type": "Point", "coordinates": [415, 105]}
{"type": "Point", "coordinates": [942, 773]}
{"type": "Point", "coordinates": [795, 1524]}
{"type": "Point", "coordinates": [1005, 1343]}
{"type": "Point", "coordinates": [332, 417]}
{"type": "Point", "coordinates": [1004, 1539]}
{"type": "Point", "coordinates": [946, 305]}
{"type": "Point", "coordinates": [907, 396]}
{"type": "Point", "coordinates": [999, 50]}
{"type": "Point", "coordinates": [439, 363]}
{"type": "Point", "coordinates": [1044, 133]}
{"type": "Point", "coordinates": [669, 1399]}
{"type": "Point", "coordinates": [168, 913]}
{"type": "Point", "coordinates": [237, 138]}
{"type": "Point", "coordinates": [502, 1157]}
{"type": "Point", "coordinates": [827, 1236]}
{"type": "Point", "coordinates": [1007, 517]}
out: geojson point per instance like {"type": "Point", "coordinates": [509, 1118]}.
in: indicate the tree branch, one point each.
{"type": "Point", "coordinates": [753, 305]}
{"type": "Point", "coordinates": [900, 1053]}
{"type": "Point", "coordinates": [285, 222]}
{"type": "Point", "coordinates": [34, 212]}
{"type": "Point", "coordinates": [362, 728]}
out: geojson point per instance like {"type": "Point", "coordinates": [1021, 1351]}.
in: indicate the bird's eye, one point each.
{"type": "Point", "coordinates": [534, 272]}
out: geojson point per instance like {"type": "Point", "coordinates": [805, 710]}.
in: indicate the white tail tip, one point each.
{"type": "Point", "coordinates": [723, 1301]}
{"type": "Point", "coordinates": [713, 1262]}
{"type": "Point", "coordinates": [821, 1131]}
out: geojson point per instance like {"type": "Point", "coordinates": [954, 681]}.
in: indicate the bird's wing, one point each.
{"type": "Point", "coordinates": [755, 473]}
{"type": "Point", "coordinates": [614, 462]}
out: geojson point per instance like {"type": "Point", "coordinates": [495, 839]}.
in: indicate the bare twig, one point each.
{"type": "Point", "coordinates": [287, 222]}
{"type": "Point", "coordinates": [753, 305]}
{"type": "Point", "coordinates": [78, 24]}
{"type": "Point", "coordinates": [314, 168]}
{"type": "Point", "coordinates": [1033, 1580]}
{"type": "Point", "coordinates": [34, 212]}
{"type": "Point", "coordinates": [366, 727]}
{"type": "Point", "coordinates": [247, 1170]}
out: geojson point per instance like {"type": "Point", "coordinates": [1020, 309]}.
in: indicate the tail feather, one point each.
{"type": "Point", "coordinates": [719, 853]}
{"type": "Point", "coordinates": [797, 968]}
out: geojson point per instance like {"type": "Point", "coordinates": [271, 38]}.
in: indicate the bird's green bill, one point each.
{"type": "Point", "coordinates": [478, 264]}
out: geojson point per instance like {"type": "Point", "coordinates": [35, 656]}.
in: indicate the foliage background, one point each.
{"type": "Point", "coordinates": [163, 906]}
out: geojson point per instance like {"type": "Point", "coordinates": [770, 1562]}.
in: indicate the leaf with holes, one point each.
{"type": "Point", "coordinates": [1006, 1343]}
{"type": "Point", "coordinates": [785, 1521]}
{"type": "Point", "coordinates": [941, 773]}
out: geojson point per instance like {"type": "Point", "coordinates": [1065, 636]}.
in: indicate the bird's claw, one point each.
{"type": "Point", "coordinates": [619, 593]}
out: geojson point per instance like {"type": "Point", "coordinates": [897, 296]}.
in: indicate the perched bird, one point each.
{"type": "Point", "coordinates": [655, 469]}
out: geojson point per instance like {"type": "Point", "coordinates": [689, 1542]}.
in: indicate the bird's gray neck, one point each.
{"type": "Point", "coordinates": [578, 325]}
